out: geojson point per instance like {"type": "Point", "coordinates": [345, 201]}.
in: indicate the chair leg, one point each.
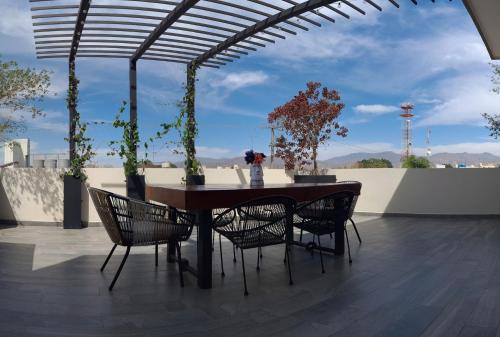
{"type": "Point", "coordinates": [179, 262]}
{"type": "Point", "coordinates": [258, 258]}
{"type": "Point", "coordinates": [244, 274]}
{"type": "Point", "coordinates": [321, 256]}
{"type": "Point", "coordinates": [213, 240]}
{"type": "Point", "coordinates": [287, 255]}
{"type": "Point", "coordinates": [119, 269]}
{"type": "Point", "coordinates": [221, 259]}
{"type": "Point", "coordinates": [260, 255]}
{"type": "Point", "coordinates": [355, 229]}
{"type": "Point", "coordinates": [300, 238]}
{"type": "Point", "coordinates": [234, 254]}
{"type": "Point", "coordinates": [348, 246]}
{"type": "Point", "coordinates": [156, 255]}
{"type": "Point", "coordinates": [109, 256]}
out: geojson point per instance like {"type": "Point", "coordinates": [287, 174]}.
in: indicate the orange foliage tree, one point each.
{"type": "Point", "coordinates": [307, 121]}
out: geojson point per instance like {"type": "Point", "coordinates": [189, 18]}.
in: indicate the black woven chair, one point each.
{"type": "Point", "coordinates": [131, 223]}
{"type": "Point", "coordinates": [225, 220]}
{"type": "Point", "coordinates": [353, 206]}
{"type": "Point", "coordinates": [263, 223]}
{"type": "Point", "coordinates": [318, 217]}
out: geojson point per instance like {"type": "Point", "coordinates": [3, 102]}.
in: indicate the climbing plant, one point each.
{"type": "Point", "coordinates": [126, 147]}
{"type": "Point", "coordinates": [190, 129]}
{"type": "Point", "coordinates": [83, 151]}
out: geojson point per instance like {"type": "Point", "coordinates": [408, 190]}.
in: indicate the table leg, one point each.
{"type": "Point", "coordinates": [339, 230]}
{"type": "Point", "coordinates": [204, 221]}
{"type": "Point", "coordinates": [171, 250]}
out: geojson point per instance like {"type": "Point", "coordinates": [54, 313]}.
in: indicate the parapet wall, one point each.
{"type": "Point", "coordinates": [35, 196]}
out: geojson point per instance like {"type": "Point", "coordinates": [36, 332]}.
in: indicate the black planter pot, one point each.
{"type": "Point", "coordinates": [299, 178]}
{"type": "Point", "coordinates": [136, 187]}
{"type": "Point", "coordinates": [72, 203]}
{"type": "Point", "coordinates": [195, 180]}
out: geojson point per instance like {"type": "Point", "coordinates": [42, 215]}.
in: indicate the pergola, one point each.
{"type": "Point", "coordinates": [207, 33]}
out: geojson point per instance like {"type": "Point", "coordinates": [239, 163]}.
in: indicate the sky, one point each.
{"type": "Point", "coordinates": [430, 55]}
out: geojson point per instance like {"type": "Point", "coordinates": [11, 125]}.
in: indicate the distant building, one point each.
{"type": "Point", "coordinates": [17, 151]}
{"type": "Point", "coordinates": [168, 164]}
{"type": "Point", "coordinates": [481, 165]}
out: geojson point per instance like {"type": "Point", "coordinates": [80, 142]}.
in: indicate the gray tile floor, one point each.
{"type": "Point", "coordinates": [410, 277]}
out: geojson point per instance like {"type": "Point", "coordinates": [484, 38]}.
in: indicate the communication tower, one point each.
{"type": "Point", "coordinates": [407, 115]}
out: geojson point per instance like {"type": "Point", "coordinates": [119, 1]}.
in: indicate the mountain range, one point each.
{"type": "Point", "coordinates": [349, 160]}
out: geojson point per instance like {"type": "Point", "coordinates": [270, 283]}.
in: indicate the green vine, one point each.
{"type": "Point", "coordinates": [83, 151]}
{"type": "Point", "coordinates": [190, 130]}
{"type": "Point", "coordinates": [126, 148]}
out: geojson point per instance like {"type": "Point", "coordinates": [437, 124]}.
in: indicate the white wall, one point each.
{"type": "Point", "coordinates": [31, 195]}
{"type": "Point", "coordinates": [36, 195]}
{"type": "Point", "coordinates": [426, 191]}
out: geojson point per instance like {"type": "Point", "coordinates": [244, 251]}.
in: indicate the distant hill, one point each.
{"type": "Point", "coordinates": [350, 159]}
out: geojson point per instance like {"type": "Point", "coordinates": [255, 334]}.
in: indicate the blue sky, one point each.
{"type": "Point", "coordinates": [430, 55]}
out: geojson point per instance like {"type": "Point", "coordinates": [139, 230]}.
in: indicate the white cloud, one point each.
{"type": "Point", "coordinates": [50, 120]}
{"type": "Point", "coordinates": [375, 109]}
{"type": "Point", "coordinates": [462, 101]}
{"type": "Point", "coordinates": [14, 21]}
{"type": "Point", "coordinates": [212, 152]}
{"type": "Point", "coordinates": [325, 44]}
{"type": "Point", "coordinates": [235, 81]}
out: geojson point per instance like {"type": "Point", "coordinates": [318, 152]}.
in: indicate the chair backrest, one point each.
{"type": "Point", "coordinates": [323, 210]}
{"type": "Point", "coordinates": [262, 214]}
{"type": "Point", "coordinates": [269, 212]}
{"type": "Point", "coordinates": [354, 199]}
{"type": "Point", "coordinates": [102, 203]}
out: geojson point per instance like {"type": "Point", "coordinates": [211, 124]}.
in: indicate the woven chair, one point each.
{"type": "Point", "coordinates": [131, 223]}
{"type": "Point", "coordinates": [353, 206]}
{"type": "Point", "coordinates": [318, 217]}
{"type": "Point", "coordinates": [225, 220]}
{"type": "Point", "coordinates": [263, 223]}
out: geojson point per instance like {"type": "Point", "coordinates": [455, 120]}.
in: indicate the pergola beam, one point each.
{"type": "Point", "coordinates": [168, 21]}
{"type": "Point", "coordinates": [80, 23]}
{"type": "Point", "coordinates": [264, 24]}
{"type": "Point", "coordinates": [72, 81]}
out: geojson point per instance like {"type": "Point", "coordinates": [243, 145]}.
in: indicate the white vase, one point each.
{"type": "Point", "coordinates": [256, 175]}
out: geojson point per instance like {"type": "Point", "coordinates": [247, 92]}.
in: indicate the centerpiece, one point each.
{"type": "Point", "coordinates": [255, 159]}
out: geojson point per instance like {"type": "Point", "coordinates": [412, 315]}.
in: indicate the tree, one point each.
{"type": "Point", "coordinates": [308, 120]}
{"type": "Point", "coordinates": [374, 163]}
{"type": "Point", "coordinates": [494, 120]}
{"type": "Point", "coordinates": [21, 91]}
{"type": "Point", "coordinates": [416, 162]}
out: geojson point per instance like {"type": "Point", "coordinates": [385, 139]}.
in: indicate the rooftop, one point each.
{"type": "Point", "coordinates": [411, 276]}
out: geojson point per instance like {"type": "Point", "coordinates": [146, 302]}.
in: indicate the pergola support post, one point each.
{"type": "Point", "coordinates": [72, 87]}
{"type": "Point", "coordinates": [133, 97]}
{"type": "Point", "coordinates": [190, 128]}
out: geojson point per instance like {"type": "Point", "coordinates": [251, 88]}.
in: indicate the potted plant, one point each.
{"type": "Point", "coordinates": [81, 154]}
{"type": "Point", "coordinates": [126, 149]}
{"type": "Point", "coordinates": [307, 121]}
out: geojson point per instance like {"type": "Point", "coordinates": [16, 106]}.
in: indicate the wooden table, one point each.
{"type": "Point", "coordinates": [203, 199]}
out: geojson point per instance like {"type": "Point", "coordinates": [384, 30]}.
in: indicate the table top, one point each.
{"type": "Point", "coordinates": [197, 197]}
